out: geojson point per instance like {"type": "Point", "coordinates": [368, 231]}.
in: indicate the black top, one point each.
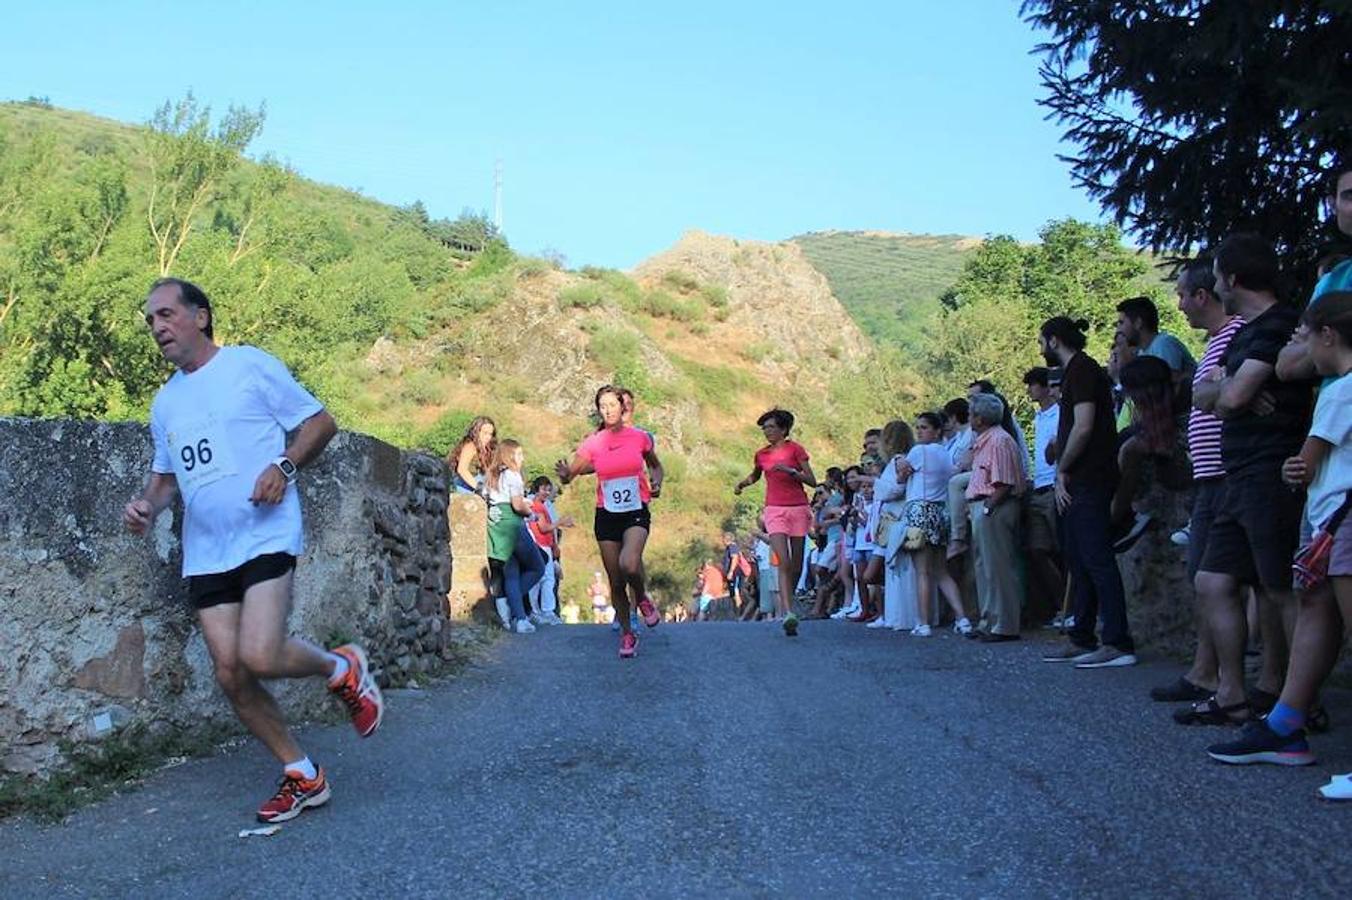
{"type": "Point", "coordinates": [1085, 381]}
{"type": "Point", "coordinates": [1248, 439]}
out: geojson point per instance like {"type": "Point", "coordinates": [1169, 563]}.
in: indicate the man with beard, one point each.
{"type": "Point", "coordinates": [1253, 536]}
{"type": "Point", "coordinates": [1086, 478]}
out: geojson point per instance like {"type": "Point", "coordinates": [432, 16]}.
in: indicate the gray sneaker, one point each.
{"type": "Point", "coordinates": [1067, 652]}
{"type": "Point", "coordinates": [1106, 657]}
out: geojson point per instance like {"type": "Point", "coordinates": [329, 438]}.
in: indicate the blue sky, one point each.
{"type": "Point", "coordinates": [620, 125]}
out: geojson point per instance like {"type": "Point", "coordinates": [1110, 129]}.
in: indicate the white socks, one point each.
{"type": "Point", "coordinates": [304, 768]}
{"type": "Point", "coordinates": [340, 667]}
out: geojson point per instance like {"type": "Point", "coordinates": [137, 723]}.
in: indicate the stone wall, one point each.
{"type": "Point", "coordinates": [95, 630]}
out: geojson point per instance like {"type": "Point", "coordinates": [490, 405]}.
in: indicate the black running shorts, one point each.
{"type": "Point", "coordinates": [229, 587]}
{"type": "Point", "coordinates": [611, 526]}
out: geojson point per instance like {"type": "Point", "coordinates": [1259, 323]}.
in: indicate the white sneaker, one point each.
{"type": "Point", "coordinates": [1181, 537]}
{"type": "Point", "coordinates": [523, 626]}
{"type": "Point", "coordinates": [901, 628]}
{"type": "Point", "coordinates": [878, 623]}
{"type": "Point", "coordinates": [963, 626]}
{"type": "Point", "coordinates": [1338, 788]}
{"type": "Point", "coordinates": [504, 612]}
{"type": "Point", "coordinates": [1105, 657]}
{"type": "Point", "coordinates": [553, 618]}
{"type": "Point", "coordinates": [923, 630]}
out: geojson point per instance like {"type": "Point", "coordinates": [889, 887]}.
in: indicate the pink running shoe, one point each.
{"type": "Point", "coordinates": [628, 646]}
{"type": "Point", "coordinates": [648, 610]}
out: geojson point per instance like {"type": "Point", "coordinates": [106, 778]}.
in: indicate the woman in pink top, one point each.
{"type": "Point", "coordinates": [623, 459]}
{"type": "Point", "coordinates": [788, 515]}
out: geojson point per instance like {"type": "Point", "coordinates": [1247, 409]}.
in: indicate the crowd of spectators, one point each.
{"type": "Point", "coordinates": [955, 519]}
{"type": "Point", "coordinates": [1259, 432]}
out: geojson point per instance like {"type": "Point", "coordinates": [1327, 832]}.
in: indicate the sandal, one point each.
{"type": "Point", "coordinates": [1317, 719]}
{"type": "Point", "coordinates": [1261, 702]}
{"type": "Point", "coordinates": [1209, 712]}
{"type": "Point", "coordinates": [1181, 691]}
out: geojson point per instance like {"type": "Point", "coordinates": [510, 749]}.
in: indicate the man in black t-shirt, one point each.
{"type": "Point", "coordinates": [1086, 477]}
{"type": "Point", "coordinates": [1253, 536]}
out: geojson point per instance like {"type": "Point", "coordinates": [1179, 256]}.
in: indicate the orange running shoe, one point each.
{"type": "Point", "coordinates": [359, 691]}
{"type": "Point", "coordinates": [294, 795]}
{"type": "Point", "coordinates": [648, 610]}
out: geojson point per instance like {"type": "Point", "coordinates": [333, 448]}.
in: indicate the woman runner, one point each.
{"type": "Point", "coordinates": [623, 458]}
{"type": "Point", "coordinates": [788, 516]}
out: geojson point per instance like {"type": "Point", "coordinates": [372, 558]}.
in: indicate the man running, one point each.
{"type": "Point", "coordinates": [623, 458]}
{"type": "Point", "coordinates": [219, 427]}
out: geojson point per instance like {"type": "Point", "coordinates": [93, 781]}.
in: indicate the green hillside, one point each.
{"type": "Point", "coordinates": [402, 325]}
{"type": "Point", "coordinates": [890, 283]}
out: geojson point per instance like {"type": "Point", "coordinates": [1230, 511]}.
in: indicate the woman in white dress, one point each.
{"type": "Point", "coordinates": [898, 573]}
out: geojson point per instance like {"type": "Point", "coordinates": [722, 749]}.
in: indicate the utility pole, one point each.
{"type": "Point", "coordinates": [497, 195]}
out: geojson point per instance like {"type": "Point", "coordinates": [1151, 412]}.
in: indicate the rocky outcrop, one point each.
{"type": "Point", "coordinates": [773, 292]}
{"type": "Point", "coordinates": [95, 628]}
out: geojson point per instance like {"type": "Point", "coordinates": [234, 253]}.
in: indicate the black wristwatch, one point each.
{"type": "Point", "coordinates": [288, 468]}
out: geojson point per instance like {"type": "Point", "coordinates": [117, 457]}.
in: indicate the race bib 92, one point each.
{"type": "Point", "coordinates": [200, 454]}
{"type": "Point", "coordinates": [620, 495]}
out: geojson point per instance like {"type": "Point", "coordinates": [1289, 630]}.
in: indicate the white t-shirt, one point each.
{"type": "Point", "coordinates": [1045, 424]}
{"type": "Point", "coordinates": [958, 445]}
{"type": "Point", "coordinates": [1333, 423]}
{"type": "Point", "coordinates": [510, 484]}
{"type": "Point", "coordinates": [216, 430]}
{"type": "Point", "coordinates": [763, 555]}
{"type": "Point", "coordinates": [863, 533]}
{"type": "Point", "coordinates": [933, 467]}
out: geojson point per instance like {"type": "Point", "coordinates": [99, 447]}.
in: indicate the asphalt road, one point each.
{"type": "Point", "coordinates": [729, 760]}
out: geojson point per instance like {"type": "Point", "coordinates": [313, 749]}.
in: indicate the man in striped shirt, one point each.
{"type": "Point", "coordinates": [1198, 302]}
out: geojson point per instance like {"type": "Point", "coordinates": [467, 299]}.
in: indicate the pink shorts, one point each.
{"type": "Point", "coordinates": [791, 520]}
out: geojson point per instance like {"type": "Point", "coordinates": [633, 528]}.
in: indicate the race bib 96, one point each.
{"type": "Point", "coordinates": [200, 455]}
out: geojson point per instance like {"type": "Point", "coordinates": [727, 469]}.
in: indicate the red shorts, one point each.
{"type": "Point", "coordinates": [791, 520]}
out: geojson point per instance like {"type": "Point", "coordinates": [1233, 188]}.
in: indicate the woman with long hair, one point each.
{"type": "Point", "coordinates": [624, 459]}
{"type": "Point", "coordinates": [788, 516]}
{"type": "Point", "coordinates": [514, 559]}
{"type": "Point", "coordinates": [1159, 438]}
{"type": "Point", "coordinates": [926, 468]}
{"type": "Point", "coordinates": [889, 491]}
{"type": "Point", "coordinates": [472, 457]}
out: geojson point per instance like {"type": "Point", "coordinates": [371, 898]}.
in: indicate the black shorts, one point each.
{"type": "Point", "coordinates": [1253, 537]}
{"type": "Point", "coordinates": [229, 587]}
{"type": "Point", "coordinates": [611, 526]}
{"type": "Point", "coordinates": [1206, 500]}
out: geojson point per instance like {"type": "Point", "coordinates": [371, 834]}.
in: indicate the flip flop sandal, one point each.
{"type": "Point", "coordinates": [1211, 713]}
{"type": "Point", "coordinates": [1181, 691]}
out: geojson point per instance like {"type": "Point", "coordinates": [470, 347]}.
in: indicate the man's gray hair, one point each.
{"type": "Point", "coordinates": [988, 407]}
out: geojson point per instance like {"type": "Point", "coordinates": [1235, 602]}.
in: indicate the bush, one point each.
{"type": "Point", "coordinates": [582, 296]}
{"type": "Point", "coordinates": [664, 305]}
{"type": "Point", "coordinates": [446, 431]}
{"type": "Point", "coordinates": [421, 386]}
{"type": "Point", "coordinates": [681, 281]}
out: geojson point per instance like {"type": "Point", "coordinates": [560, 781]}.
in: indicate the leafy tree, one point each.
{"type": "Point", "coordinates": [989, 321]}
{"type": "Point", "coordinates": [188, 161]}
{"type": "Point", "coordinates": [1196, 118]}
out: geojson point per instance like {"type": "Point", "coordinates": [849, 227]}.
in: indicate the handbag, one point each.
{"type": "Point", "coordinates": [915, 538]}
{"type": "Point", "coordinates": [1311, 566]}
{"type": "Point", "coordinates": [882, 535]}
